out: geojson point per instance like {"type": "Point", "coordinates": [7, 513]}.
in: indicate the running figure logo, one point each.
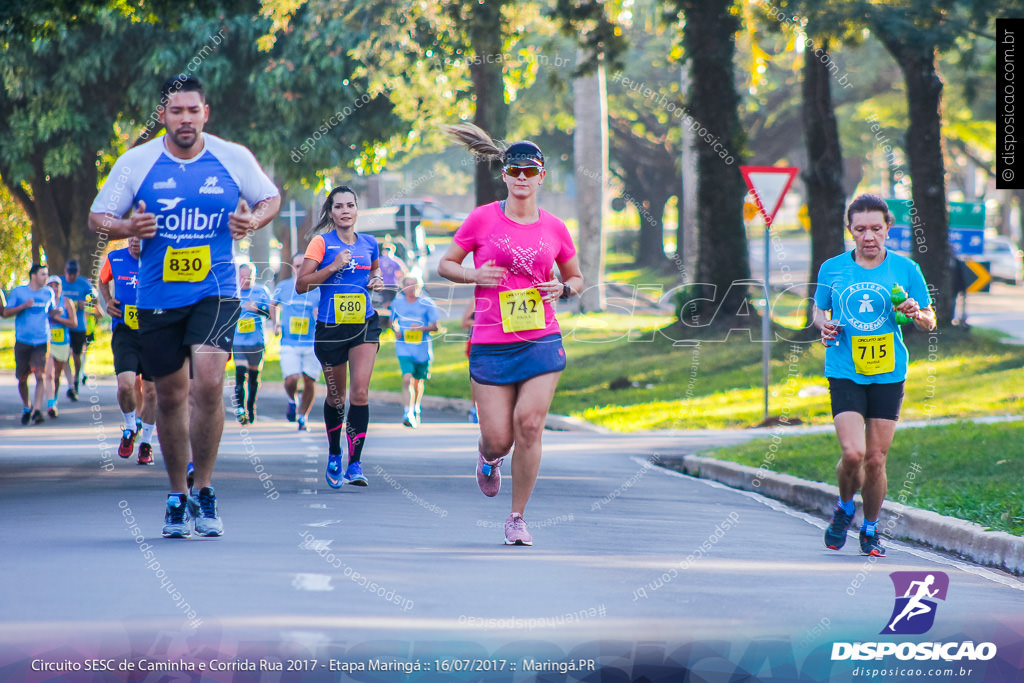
{"type": "Point", "coordinates": [914, 612]}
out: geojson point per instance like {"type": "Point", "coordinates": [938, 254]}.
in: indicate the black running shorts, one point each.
{"type": "Point", "coordinates": [78, 340]}
{"type": "Point", "coordinates": [168, 334]}
{"type": "Point", "coordinates": [872, 401]}
{"type": "Point", "coordinates": [127, 348]}
{"type": "Point", "coordinates": [332, 342]}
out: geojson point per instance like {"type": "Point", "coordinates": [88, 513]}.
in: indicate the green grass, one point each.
{"type": "Point", "coordinates": [965, 470]}
{"type": "Point", "coordinates": [703, 382]}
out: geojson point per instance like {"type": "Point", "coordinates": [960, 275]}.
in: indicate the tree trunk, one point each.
{"type": "Point", "coordinates": [824, 173]}
{"type": "Point", "coordinates": [485, 35]}
{"type": "Point", "coordinates": [59, 209]}
{"type": "Point", "coordinates": [930, 226]}
{"type": "Point", "coordinates": [687, 232]}
{"type": "Point", "coordinates": [723, 264]}
{"type": "Point", "coordinates": [651, 250]}
{"type": "Point", "coordinates": [590, 151]}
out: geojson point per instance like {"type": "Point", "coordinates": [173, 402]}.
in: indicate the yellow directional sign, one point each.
{"type": "Point", "coordinates": [983, 276]}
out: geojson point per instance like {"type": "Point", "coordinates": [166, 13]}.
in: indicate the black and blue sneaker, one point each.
{"type": "Point", "coordinates": [334, 471]}
{"type": "Point", "coordinates": [835, 533]}
{"type": "Point", "coordinates": [290, 415]}
{"type": "Point", "coordinates": [870, 544]}
{"type": "Point", "coordinates": [176, 518]}
{"type": "Point", "coordinates": [208, 522]}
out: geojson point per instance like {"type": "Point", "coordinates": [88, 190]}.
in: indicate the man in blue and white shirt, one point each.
{"type": "Point", "coordinates": [191, 193]}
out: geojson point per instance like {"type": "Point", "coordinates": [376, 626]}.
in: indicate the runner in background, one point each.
{"type": "Point", "coordinates": [136, 392]}
{"type": "Point", "coordinates": [414, 317]}
{"type": "Point", "coordinates": [516, 357]}
{"type": "Point", "coordinates": [343, 264]}
{"type": "Point", "coordinates": [81, 291]}
{"type": "Point", "coordinates": [392, 269]}
{"type": "Point", "coordinates": [295, 321]}
{"type": "Point", "coordinates": [62, 321]}
{"type": "Point", "coordinates": [30, 305]}
{"type": "Point", "coordinates": [250, 342]}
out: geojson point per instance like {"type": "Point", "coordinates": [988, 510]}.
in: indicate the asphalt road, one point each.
{"type": "Point", "coordinates": [635, 571]}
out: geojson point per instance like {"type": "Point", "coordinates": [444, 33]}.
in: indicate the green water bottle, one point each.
{"type": "Point", "coordinates": [898, 296]}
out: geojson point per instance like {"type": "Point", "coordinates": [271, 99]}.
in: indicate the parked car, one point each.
{"type": "Point", "coordinates": [434, 217]}
{"type": "Point", "coordinates": [1005, 259]}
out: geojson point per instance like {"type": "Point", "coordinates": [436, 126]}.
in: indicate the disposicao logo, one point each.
{"type": "Point", "coordinates": [913, 614]}
{"type": "Point", "coordinates": [916, 595]}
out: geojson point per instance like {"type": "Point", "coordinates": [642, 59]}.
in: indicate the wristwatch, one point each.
{"type": "Point", "coordinates": [566, 291]}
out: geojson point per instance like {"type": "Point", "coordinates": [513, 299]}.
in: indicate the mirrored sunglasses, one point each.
{"type": "Point", "coordinates": [516, 171]}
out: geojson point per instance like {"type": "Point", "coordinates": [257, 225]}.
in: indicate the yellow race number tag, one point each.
{"type": "Point", "coordinates": [298, 326]}
{"type": "Point", "coordinates": [246, 325]}
{"type": "Point", "coordinates": [131, 317]}
{"type": "Point", "coordinates": [412, 336]}
{"type": "Point", "coordinates": [191, 264]}
{"type": "Point", "coordinates": [521, 310]}
{"type": "Point", "coordinates": [57, 335]}
{"type": "Point", "coordinates": [874, 355]}
{"type": "Point", "coordinates": [349, 309]}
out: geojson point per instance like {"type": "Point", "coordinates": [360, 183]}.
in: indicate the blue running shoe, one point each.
{"type": "Point", "coordinates": [871, 545]}
{"type": "Point", "coordinates": [176, 517]}
{"type": "Point", "coordinates": [302, 423]}
{"type": "Point", "coordinates": [290, 415]}
{"type": "Point", "coordinates": [334, 479]}
{"type": "Point", "coordinates": [835, 533]}
{"type": "Point", "coordinates": [354, 475]}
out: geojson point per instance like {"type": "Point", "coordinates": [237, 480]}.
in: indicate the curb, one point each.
{"type": "Point", "coordinates": [557, 423]}
{"type": "Point", "coordinates": [966, 539]}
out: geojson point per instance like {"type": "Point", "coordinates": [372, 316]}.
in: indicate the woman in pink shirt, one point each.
{"type": "Point", "coordinates": [516, 355]}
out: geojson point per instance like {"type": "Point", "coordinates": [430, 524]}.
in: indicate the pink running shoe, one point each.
{"type": "Point", "coordinates": [515, 531]}
{"type": "Point", "coordinates": [488, 476]}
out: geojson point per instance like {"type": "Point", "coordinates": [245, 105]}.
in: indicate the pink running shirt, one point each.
{"type": "Point", "coordinates": [527, 252]}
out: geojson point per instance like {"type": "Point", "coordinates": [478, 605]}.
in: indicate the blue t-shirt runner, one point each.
{"type": "Point", "coordinates": [78, 291]}
{"type": "Point", "coordinates": [32, 326]}
{"type": "Point", "coordinates": [190, 257]}
{"type": "Point", "coordinates": [249, 331]}
{"type": "Point", "coordinates": [870, 348]}
{"type": "Point", "coordinates": [415, 344]}
{"type": "Point", "coordinates": [298, 313]}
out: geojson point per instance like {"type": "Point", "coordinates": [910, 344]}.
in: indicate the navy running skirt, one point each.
{"type": "Point", "coordinates": [499, 364]}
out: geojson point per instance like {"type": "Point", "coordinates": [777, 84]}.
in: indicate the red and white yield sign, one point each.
{"type": "Point", "coordinates": [769, 184]}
